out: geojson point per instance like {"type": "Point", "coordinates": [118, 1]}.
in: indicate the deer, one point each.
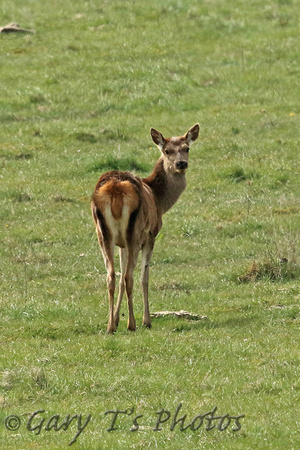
{"type": "Point", "coordinates": [127, 211]}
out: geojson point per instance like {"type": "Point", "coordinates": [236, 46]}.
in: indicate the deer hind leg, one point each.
{"type": "Point", "coordinates": [107, 247]}
{"type": "Point", "coordinates": [108, 256]}
{"type": "Point", "coordinates": [133, 253]}
{"type": "Point", "coordinates": [123, 265]}
{"type": "Point", "coordinates": [146, 257]}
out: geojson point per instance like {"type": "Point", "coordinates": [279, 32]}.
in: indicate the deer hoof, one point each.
{"type": "Point", "coordinates": [147, 322]}
{"type": "Point", "coordinates": [131, 324]}
{"type": "Point", "coordinates": [111, 329]}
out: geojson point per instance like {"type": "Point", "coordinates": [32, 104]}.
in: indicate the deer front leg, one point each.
{"type": "Point", "coordinates": [133, 253]}
{"type": "Point", "coordinates": [146, 257]}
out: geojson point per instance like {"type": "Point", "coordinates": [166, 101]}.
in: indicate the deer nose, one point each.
{"type": "Point", "coordinates": [181, 165]}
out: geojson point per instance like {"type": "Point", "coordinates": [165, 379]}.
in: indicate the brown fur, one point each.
{"type": "Point", "coordinates": [127, 212]}
{"type": "Point", "coordinates": [116, 193]}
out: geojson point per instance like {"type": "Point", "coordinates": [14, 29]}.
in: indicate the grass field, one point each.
{"type": "Point", "coordinates": [77, 98]}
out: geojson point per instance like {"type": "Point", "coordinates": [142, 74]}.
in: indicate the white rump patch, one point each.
{"type": "Point", "coordinates": [118, 227]}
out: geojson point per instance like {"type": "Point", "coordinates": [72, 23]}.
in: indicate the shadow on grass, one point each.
{"type": "Point", "coordinates": [272, 270]}
{"type": "Point", "coordinates": [235, 322]}
{"type": "Point", "coordinates": [180, 324]}
{"type": "Point", "coordinates": [124, 164]}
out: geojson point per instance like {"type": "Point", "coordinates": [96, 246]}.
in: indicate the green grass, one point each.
{"type": "Point", "coordinates": [77, 98]}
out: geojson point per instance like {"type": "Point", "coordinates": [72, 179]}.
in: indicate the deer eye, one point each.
{"type": "Point", "coordinates": [187, 149]}
{"type": "Point", "coordinates": [167, 152]}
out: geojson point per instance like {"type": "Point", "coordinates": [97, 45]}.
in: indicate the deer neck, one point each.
{"type": "Point", "coordinates": [165, 185]}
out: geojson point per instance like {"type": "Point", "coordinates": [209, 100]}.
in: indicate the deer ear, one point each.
{"type": "Point", "coordinates": [192, 134]}
{"type": "Point", "coordinates": [158, 138]}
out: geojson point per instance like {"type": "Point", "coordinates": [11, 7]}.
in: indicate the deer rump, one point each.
{"type": "Point", "coordinates": [120, 199]}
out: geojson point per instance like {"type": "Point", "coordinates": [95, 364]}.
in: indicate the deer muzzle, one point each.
{"type": "Point", "coordinates": [181, 165]}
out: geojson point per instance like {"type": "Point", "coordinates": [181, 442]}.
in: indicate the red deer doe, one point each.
{"type": "Point", "coordinates": [127, 211]}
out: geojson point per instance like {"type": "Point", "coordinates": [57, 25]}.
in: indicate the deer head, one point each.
{"type": "Point", "coordinates": [175, 150]}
